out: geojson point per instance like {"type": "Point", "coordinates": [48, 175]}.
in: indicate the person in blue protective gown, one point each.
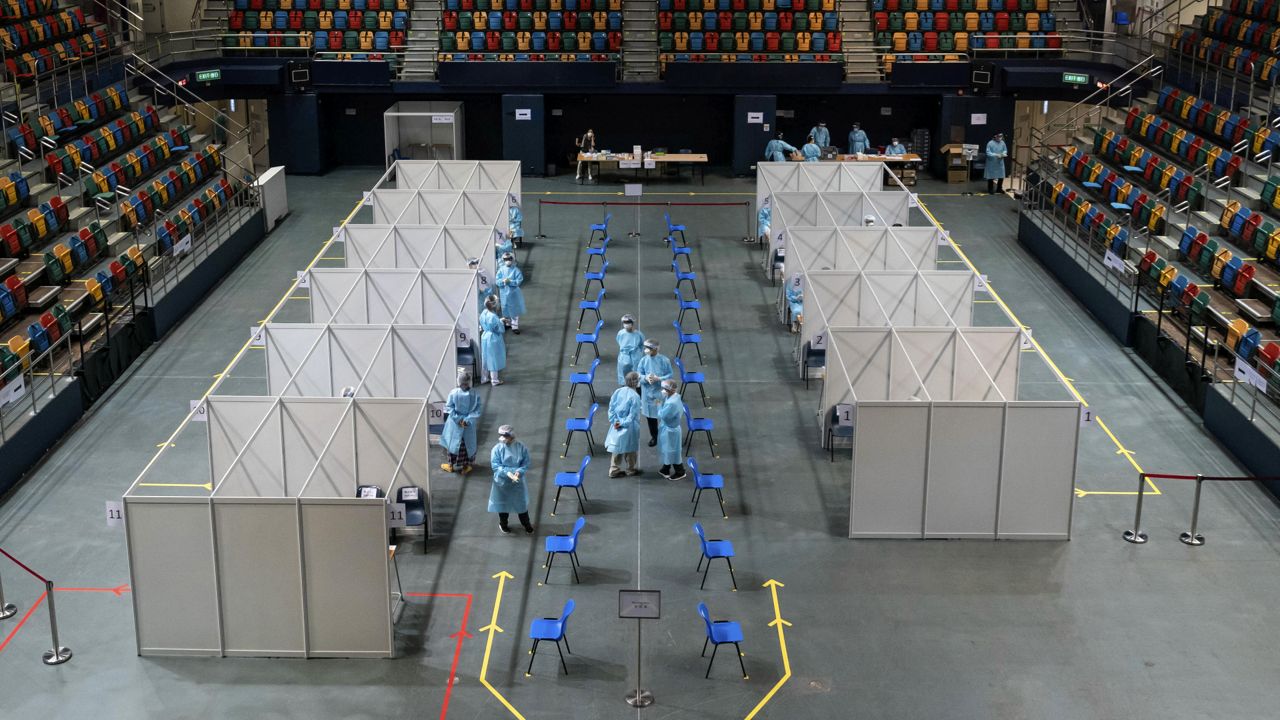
{"type": "Point", "coordinates": [630, 347]}
{"type": "Point", "coordinates": [462, 412]}
{"type": "Point", "coordinates": [670, 451]}
{"type": "Point", "coordinates": [778, 150]}
{"type": "Point", "coordinates": [623, 440]}
{"type": "Point", "coordinates": [795, 303]}
{"type": "Point", "coordinates": [492, 345]}
{"type": "Point", "coordinates": [997, 151]}
{"type": "Point", "coordinates": [811, 151]}
{"type": "Point", "coordinates": [764, 220]}
{"type": "Point", "coordinates": [515, 223]}
{"type": "Point", "coordinates": [509, 279]}
{"type": "Point", "coordinates": [895, 148]}
{"type": "Point", "coordinates": [510, 492]}
{"type": "Point", "coordinates": [653, 368]}
{"type": "Point", "coordinates": [858, 140]}
{"type": "Point", "coordinates": [821, 135]}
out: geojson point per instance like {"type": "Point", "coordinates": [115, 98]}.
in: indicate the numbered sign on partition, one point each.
{"type": "Point", "coordinates": [369, 492]}
{"type": "Point", "coordinates": [819, 340]}
{"type": "Point", "coordinates": [304, 279]}
{"type": "Point", "coordinates": [257, 336]}
{"type": "Point", "coordinates": [13, 391]}
{"type": "Point", "coordinates": [338, 235]}
{"type": "Point", "coordinates": [395, 515]}
{"type": "Point", "coordinates": [780, 242]}
{"type": "Point", "coordinates": [1024, 340]}
{"type": "Point", "coordinates": [409, 493]}
{"type": "Point", "coordinates": [944, 238]}
{"type": "Point", "coordinates": [482, 279]}
{"type": "Point", "coordinates": [797, 281]}
{"type": "Point", "coordinates": [844, 415]}
{"type": "Point", "coordinates": [115, 513]}
{"type": "Point", "coordinates": [435, 413]}
{"type": "Point", "coordinates": [368, 198]}
{"type": "Point", "coordinates": [462, 338]}
{"type": "Point", "coordinates": [980, 283]}
{"type": "Point", "coordinates": [1086, 415]}
{"type": "Point", "coordinates": [199, 411]}
{"type": "Point", "coordinates": [913, 200]}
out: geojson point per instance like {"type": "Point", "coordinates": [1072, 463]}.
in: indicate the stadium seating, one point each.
{"type": "Point", "coordinates": [353, 29]}
{"type": "Point", "coordinates": [533, 30]}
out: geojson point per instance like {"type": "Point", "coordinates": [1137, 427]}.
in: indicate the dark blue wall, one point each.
{"type": "Point", "coordinates": [28, 445]}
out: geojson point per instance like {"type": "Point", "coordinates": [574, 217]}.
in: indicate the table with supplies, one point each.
{"type": "Point", "coordinates": [696, 162]}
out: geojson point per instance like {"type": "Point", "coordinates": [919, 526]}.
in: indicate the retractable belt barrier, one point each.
{"type": "Point", "coordinates": [1191, 537]}
{"type": "Point", "coordinates": [58, 654]}
{"type": "Point", "coordinates": [745, 205]}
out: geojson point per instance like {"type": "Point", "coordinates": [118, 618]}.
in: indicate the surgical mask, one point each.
{"type": "Point", "coordinates": [509, 263]}
{"type": "Point", "coordinates": [506, 439]}
{"type": "Point", "coordinates": [650, 351]}
{"type": "Point", "coordinates": [629, 327]}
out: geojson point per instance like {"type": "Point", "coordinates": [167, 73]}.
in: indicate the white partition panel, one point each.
{"type": "Point", "coordinates": [424, 362]}
{"type": "Point", "coordinates": [232, 422]}
{"type": "Point", "coordinates": [815, 249]}
{"type": "Point", "coordinates": [260, 592]}
{"type": "Point", "coordinates": [332, 288]}
{"type": "Point", "coordinates": [384, 428]}
{"type": "Point", "coordinates": [356, 358]}
{"type": "Point", "coordinates": [888, 487]}
{"type": "Point", "coordinates": [369, 246]}
{"type": "Point", "coordinates": [920, 244]}
{"type": "Point", "coordinates": [999, 351]}
{"type": "Point", "coordinates": [964, 470]}
{"type": "Point", "coordinates": [347, 584]}
{"type": "Point", "coordinates": [174, 590]}
{"type": "Point", "coordinates": [1037, 485]}
{"type": "Point", "coordinates": [891, 206]}
{"type": "Point", "coordinates": [954, 291]}
{"type": "Point", "coordinates": [310, 427]}
{"type": "Point", "coordinates": [413, 174]}
{"type": "Point", "coordinates": [292, 360]}
{"type": "Point", "coordinates": [389, 205]}
{"type": "Point", "coordinates": [845, 208]}
{"type": "Point", "coordinates": [860, 370]}
{"type": "Point", "coordinates": [456, 245]}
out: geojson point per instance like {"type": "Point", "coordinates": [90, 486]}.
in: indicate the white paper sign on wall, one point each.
{"type": "Point", "coordinates": [797, 281]}
{"type": "Point", "coordinates": [1024, 340]}
{"type": "Point", "coordinates": [304, 279]}
{"type": "Point", "coordinates": [819, 340]}
{"type": "Point", "coordinates": [442, 119]}
{"type": "Point", "coordinates": [633, 189]}
{"type": "Point", "coordinates": [183, 246]}
{"type": "Point", "coordinates": [1113, 261]}
{"type": "Point", "coordinates": [462, 337]}
{"type": "Point", "coordinates": [435, 413]}
{"type": "Point", "coordinates": [199, 411]}
{"type": "Point", "coordinates": [913, 200]}
{"type": "Point", "coordinates": [14, 390]}
{"type": "Point", "coordinates": [755, 118]}
{"type": "Point", "coordinates": [980, 283]}
{"type": "Point", "coordinates": [482, 280]}
{"type": "Point", "coordinates": [1245, 373]}
{"type": "Point", "coordinates": [257, 338]}
{"type": "Point", "coordinates": [524, 113]}
{"type": "Point", "coordinates": [1086, 415]}
{"type": "Point", "coordinates": [338, 235]}
{"type": "Point", "coordinates": [115, 513]}
{"type": "Point", "coordinates": [369, 492]}
{"type": "Point", "coordinates": [944, 238]}
{"type": "Point", "coordinates": [395, 515]}
{"type": "Point", "coordinates": [844, 415]}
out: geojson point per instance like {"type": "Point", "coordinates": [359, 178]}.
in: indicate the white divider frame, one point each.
{"type": "Point", "coordinates": [886, 298]}
{"type": "Point", "coordinates": [773, 177]}
{"type": "Point", "coordinates": [440, 207]}
{"type": "Point", "coordinates": [419, 246]}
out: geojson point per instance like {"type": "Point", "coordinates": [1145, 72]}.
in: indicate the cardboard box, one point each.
{"type": "Point", "coordinates": [960, 175]}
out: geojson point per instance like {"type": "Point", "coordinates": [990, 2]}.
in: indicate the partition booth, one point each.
{"type": "Point", "coordinates": [949, 439]}
{"type": "Point", "coordinates": [424, 130]}
{"type": "Point", "coordinates": [272, 538]}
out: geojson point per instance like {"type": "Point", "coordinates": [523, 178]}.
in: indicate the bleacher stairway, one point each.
{"type": "Point", "coordinates": [861, 58]}
{"type": "Point", "coordinates": [423, 42]}
{"type": "Point", "coordinates": [640, 41]}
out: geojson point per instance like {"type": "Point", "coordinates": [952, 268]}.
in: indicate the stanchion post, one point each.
{"type": "Point", "coordinates": [6, 609]}
{"type": "Point", "coordinates": [58, 654]}
{"type": "Point", "coordinates": [1191, 537]}
{"type": "Point", "coordinates": [540, 236]}
{"type": "Point", "coordinates": [1136, 536]}
{"type": "Point", "coordinates": [746, 207]}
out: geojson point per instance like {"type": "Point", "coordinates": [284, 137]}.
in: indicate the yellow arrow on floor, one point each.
{"type": "Point", "coordinates": [779, 623]}
{"type": "Point", "coordinates": [491, 628]}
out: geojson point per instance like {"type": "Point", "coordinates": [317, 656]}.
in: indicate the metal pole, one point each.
{"type": "Point", "coordinates": [1191, 537]}
{"type": "Point", "coordinates": [58, 654]}
{"type": "Point", "coordinates": [540, 236]}
{"type": "Point", "coordinates": [6, 609]}
{"type": "Point", "coordinates": [640, 698]}
{"type": "Point", "coordinates": [1136, 536]}
{"type": "Point", "coordinates": [746, 206]}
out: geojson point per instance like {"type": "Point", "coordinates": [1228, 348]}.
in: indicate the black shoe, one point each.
{"type": "Point", "coordinates": [681, 476]}
{"type": "Point", "coordinates": [516, 331]}
{"type": "Point", "coordinates": [528, 529]}
{"type": "Point", "coordinates": [505, 530]}
{"type": "Point", "coordinates": [665, 471]}
{"type": "Point", "coordinates": [653, 442]}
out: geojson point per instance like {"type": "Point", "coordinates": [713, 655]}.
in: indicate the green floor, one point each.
{"type": "Point", "coordinates": [1091, 628]}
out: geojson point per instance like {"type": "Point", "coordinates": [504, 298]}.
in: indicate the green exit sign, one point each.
{"type": "Point", "coordinates": [1075, 78]}
{"type": "Point", "coordinates": [211, 75]}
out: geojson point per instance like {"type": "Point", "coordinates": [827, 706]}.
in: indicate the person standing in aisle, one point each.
{"type": "Point", "coordinates": [585, 144]}
{"type": "Point", "coordinates": [821, 135]}
{"type": "Point", "coordinates": [509, 279]}
{"type": "Point", "coordinates": [510, 492]}
{"type": "Point", "coordinates": [630, 342]}
{"type": "Point", "coordinates": [623, 440]}
{"type": "Point", "coordinates": [462, 412]}
{"type": "Point", "coordinates": [858, 140]}
{"type": "Point", "coordinates": [997, 151]}
{"type": "Point", "coordinates": [653, 368]}
{"type": "Point", "coordinates": [515, 223]}
{"type": "Point", "coordinates": [492, 346]}
{"type": "Point", "coordinates": [778, 150]}
{"type": "Point", "coordinates": [811, 151]}
{"type": "Point", "coordinates": [669, 435]}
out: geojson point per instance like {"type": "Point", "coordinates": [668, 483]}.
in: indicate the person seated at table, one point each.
{"type": "Point", "coordinates": [859, 143]}
{"type": "Point", "coordinates": [811, 151]}
{"type": "Point", "coordinates": [895, 148]}
{"type": "Point", "coordinates": [778, 150]}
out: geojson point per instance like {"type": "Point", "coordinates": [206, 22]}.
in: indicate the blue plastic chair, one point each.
{"type": "Point", "coordinates": [711, 550]}
{"type": "Point", "coordinates": [595, 276]}
{"type": "Point", "coordinates": [467, 358]}
{"type": "Point", "coordinates": [415, 510]}
{"type": "Point", "coordinates": [572, 480]}
{"type": "Point", "coordinates": [551, 629]}
{"type": "Point", "coordinates": [582, 425]}
{"type": "Point", "coordinates": [681, 276]}
{"type": "Point", "coordinates": [592, 305]}
{"type": "Point", "coordinates": [593, 252]}
{"type": "Point", "coordinates": [567, 545]}
{"type": "Point", "coordinates": [693, 425]}
{"type": "Point", "coordinates": [692, 378]}
{"type": "Point", "coordinates": [721, 632]}
{"type": "Point", "coordinates": [693, 305]}
{"type": "Point", "coordinates": [587, 378]}
{"type": "Point", "coordinates": [694, 339]}
{"type": "Point", "coordinates": [706, 482]}
{"type": "Point", "coordinates": [591, 338]}
{"type": "Point", "coordinates": [1121, 18]}
{"type": "Point", "coordinates": [678, 250]}
{"type": "Point", "coordinates": [673, 229]}
{"type": "Point", "coordinates": [602, 228]}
